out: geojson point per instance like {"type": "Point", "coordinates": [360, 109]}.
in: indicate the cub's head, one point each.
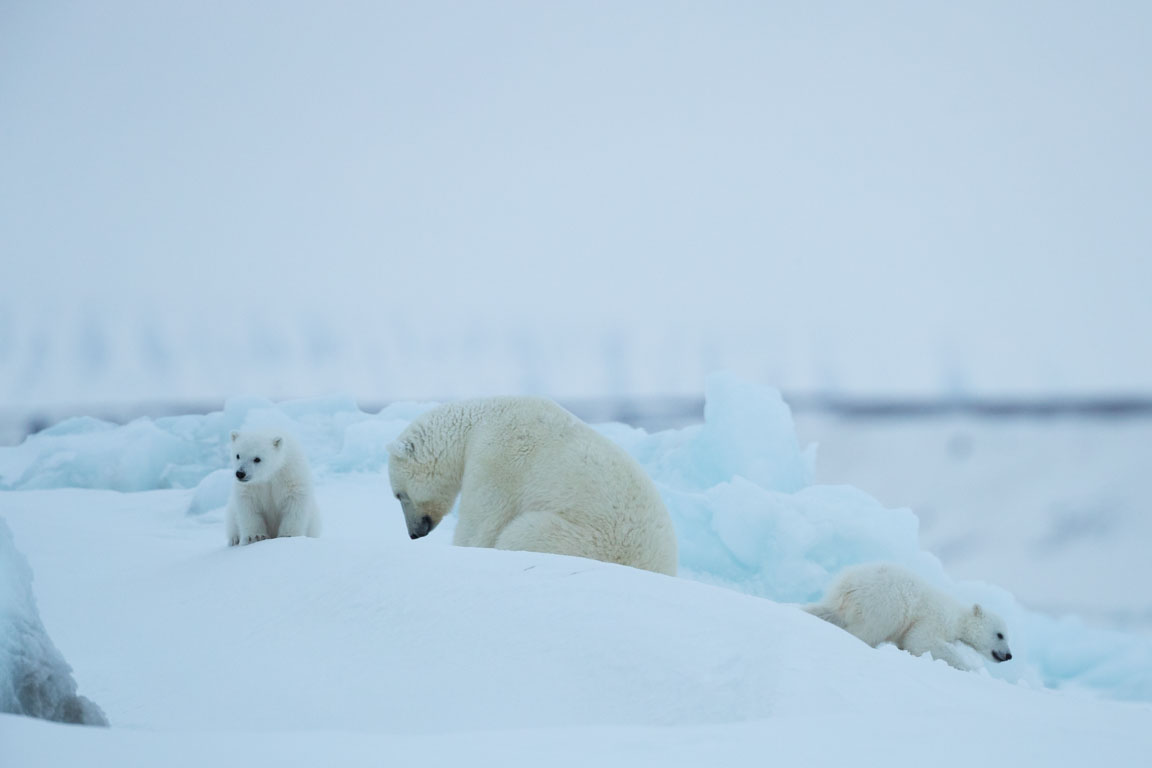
{"type": "Point", "coordinates": [425, 494]}
{"type": "Point", "coordinates": [256, 456]}
{"type": "Point", "coordinates": [989, 635]}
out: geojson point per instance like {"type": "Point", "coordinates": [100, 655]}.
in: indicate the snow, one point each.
{"type": "Point", "coordinates": [34, 678]}
{"type": "Point", "coordinates": [1018, 738]}
{"type": "Point", "coordinates": [363, 643]}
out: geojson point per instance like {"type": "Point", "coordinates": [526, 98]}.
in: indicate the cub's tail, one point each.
{"type": "Point", "coordinates": [822, 611]}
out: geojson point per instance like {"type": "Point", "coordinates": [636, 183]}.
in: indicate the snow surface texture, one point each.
{"type": "Point", "coordinates": [739, 488]}
{"type": "Point", "coordinates": [363, 646]}
{"type": "Point", "coordinates": [34, 678]}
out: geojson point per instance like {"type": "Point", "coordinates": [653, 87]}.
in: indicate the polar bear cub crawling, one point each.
{"type": "Point", "coordinates": [530, 476]}
{"type": "Point", "coordinates": [883, 603]}
{"type": "Point", "coordinates": [273, 494]}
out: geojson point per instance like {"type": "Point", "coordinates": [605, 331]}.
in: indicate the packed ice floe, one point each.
{"type": "Point", "coordinates": [739, 488]}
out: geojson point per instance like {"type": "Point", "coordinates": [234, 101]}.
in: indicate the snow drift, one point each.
{"type": "Point", "coordinates": [364, 644]}
{"type": "Point", "coordinates": [34, 678]}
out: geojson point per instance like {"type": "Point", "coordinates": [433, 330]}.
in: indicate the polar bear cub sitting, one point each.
{"type": "Point", "coordinates": [273, 494]}
{"type": "Point", "coordinates": [530, 476]}
{"type": "Point", "coordinates": [882, 603]}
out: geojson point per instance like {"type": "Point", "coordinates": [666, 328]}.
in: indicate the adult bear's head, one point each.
{"type": "Point", "coordinates": [424, 486]}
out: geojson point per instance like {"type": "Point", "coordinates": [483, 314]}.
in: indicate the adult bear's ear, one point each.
{"type": "Point", "coordinates": [235, 434]}
{"type": "Point", "coordinates": [977, 611]}
{"type": "Point", "coordinates": [276, 442]}
{"type": "Point", "coordinates": [402, 449]}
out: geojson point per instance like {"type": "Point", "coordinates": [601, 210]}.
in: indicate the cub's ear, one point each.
{"type": "Point", "coordinates": [977, 611]}
{"type": "Point", "coordinates": [276, 442]}
{"type": "Point", "coordinates": [235, 434]}
{"type": "Point", "coordinates": [402, 449]}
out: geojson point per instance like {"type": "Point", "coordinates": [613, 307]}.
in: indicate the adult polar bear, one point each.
{"type": "Point", "coordinates": [530, 476]}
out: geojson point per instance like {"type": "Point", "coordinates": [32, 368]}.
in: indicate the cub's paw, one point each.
{"type": "Point", "coordinates": [254, 539]}
{"type": "Point", "coordinates": [233, 540]}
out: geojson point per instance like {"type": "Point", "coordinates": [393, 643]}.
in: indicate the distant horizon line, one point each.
{"type": "Point", "coordinates": [650, 411]}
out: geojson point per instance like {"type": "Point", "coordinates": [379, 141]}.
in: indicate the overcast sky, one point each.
{"type": "Point", "coordinates": [880, 196]}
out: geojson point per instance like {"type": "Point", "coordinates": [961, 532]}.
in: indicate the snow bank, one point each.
{"type": "Point", "coordinates": [342, 649]}
{"type": "Point", "coordinates": [34, 678]}
{"type": "Point", "coordinates": [739, 488]}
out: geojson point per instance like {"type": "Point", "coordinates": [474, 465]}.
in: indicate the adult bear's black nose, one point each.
{"type": "Point", "coordinates": [240, 474]}
{"type": "Point", "coordinates": [423, 529]}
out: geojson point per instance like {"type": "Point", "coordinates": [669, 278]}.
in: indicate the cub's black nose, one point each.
{"type": "Point", "coordinates": [1007, 657]}
{"type": "Point", "coordinates": [240, 474]}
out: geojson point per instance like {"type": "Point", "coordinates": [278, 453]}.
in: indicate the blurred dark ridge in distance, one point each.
{"type": "Point", "coordinates": [658, 413]}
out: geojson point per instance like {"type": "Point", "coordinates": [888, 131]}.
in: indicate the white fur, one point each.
{"type": "Point", "coordinates": [530, 476]}
{"type": "Point", "coordinates": [883, 603]}
{"type": "Point", "coordinates": [275, 498]}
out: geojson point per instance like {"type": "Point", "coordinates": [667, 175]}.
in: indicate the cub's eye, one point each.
{"type": "Point", "coordinates": [256, 460]}
{"type": "Point", "coordinates": [999, 635]}
{"type": "Point", "coordinates": [237, 455]}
